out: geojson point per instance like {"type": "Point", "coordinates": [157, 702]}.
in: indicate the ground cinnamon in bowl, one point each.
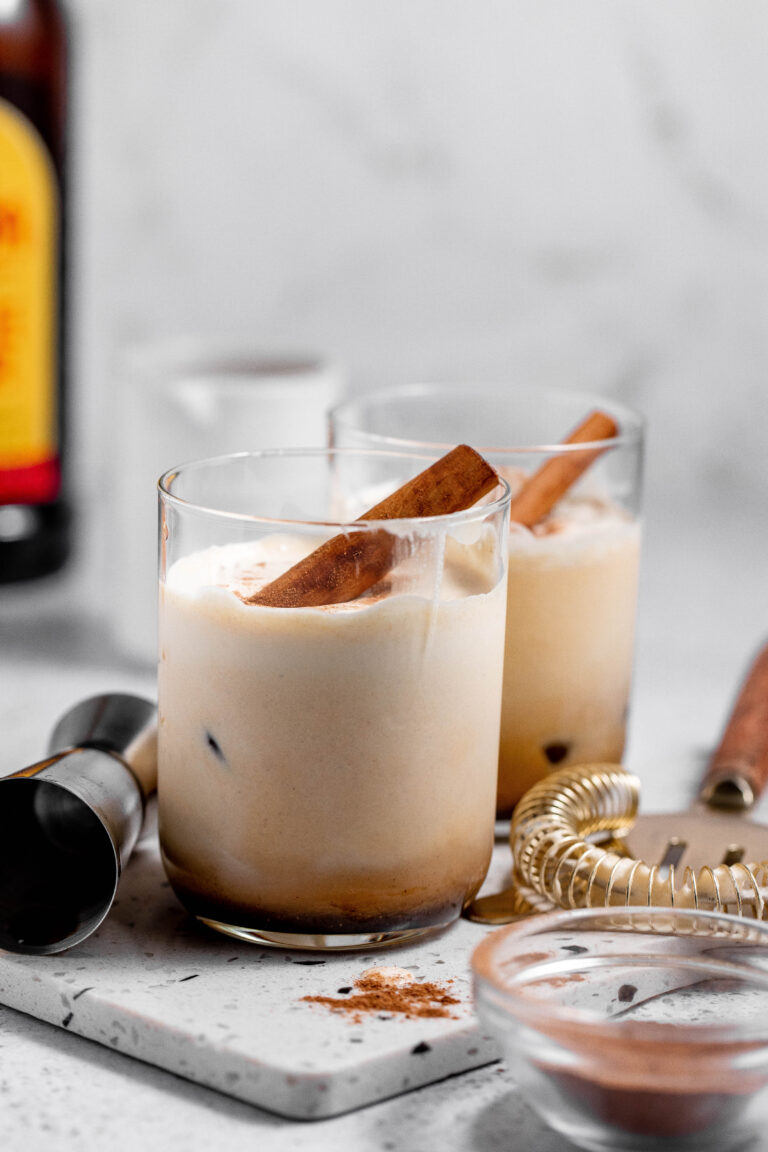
{"type": "Point", "coordinates": [633, 1027]}
{"type": "Point", "coordinates": [393, 991]}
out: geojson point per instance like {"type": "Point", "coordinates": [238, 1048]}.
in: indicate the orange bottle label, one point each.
{"type": "Point", "coordinates": [29, 223]}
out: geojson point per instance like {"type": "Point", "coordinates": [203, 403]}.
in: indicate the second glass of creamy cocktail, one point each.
{"type": "Point", "coordinates": [573, 571]}
{"type": "Point", "coordinates": [330, 691]}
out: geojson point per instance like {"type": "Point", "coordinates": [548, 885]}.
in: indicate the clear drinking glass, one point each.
{"type": "Point", "coordinates": [327, 774]}
{"type": "Point", "coordinates": [572, 586]}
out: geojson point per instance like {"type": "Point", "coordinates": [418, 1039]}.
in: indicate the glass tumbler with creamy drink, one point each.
{"type": "Point", "coordinates": [329, 692]}
{"type": "Point", "coordinates": [572, 587]}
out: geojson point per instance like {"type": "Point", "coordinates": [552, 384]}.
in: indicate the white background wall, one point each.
{"type": "Point", "coordinates": [574, 190]}
{"type": "Point", "coordinates": [438, 188]}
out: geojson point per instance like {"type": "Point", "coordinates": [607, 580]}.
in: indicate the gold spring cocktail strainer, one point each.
{"type": "Point", "coordinates": [577, 841]}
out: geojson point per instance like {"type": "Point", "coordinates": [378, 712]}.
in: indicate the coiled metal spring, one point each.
{"type": "Point", "coordinates": [555, 862]}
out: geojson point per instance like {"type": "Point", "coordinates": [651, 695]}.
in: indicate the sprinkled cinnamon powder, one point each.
{"type": "Point", "coordinates": [391, 990]}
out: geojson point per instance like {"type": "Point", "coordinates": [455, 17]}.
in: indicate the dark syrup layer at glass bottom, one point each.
{"type": "Point", "coordinates": [348, 920]}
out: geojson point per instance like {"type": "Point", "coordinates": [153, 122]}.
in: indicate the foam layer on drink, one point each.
{"type": "Point", "coordinates": [571, 606]}
{"type": "Point", "coordinates": [328, 768]}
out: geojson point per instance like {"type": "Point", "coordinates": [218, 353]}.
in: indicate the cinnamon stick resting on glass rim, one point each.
{"type": "Point", "coordinates": [544, 488]}
{"type": "Point", "coordinates": [348, 564]}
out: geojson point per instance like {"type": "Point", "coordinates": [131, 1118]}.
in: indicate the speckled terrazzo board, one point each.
{"type": "Point", "coordinates": [154, 985]}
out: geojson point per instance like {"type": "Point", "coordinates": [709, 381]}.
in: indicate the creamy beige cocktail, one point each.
{"type": "Point", "coordinates": [569, 644]}
{"type": "Point", "coordinates": [329, 773]}
{"type": "Point", "coordinates": [573, 576]}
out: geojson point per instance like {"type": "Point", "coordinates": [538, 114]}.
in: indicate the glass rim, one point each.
{"type": "Point", "coordinates": [632, 434]}
{"type": "Point", "coordinates": [466, 515]}
{"type": "Point", "coordinates": [539, 1013]}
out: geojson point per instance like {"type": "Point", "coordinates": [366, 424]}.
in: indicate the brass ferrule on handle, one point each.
{"type": "Point", "coordinates": [729, 788]}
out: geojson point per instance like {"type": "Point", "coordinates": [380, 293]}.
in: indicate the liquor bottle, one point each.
{"type": "Point", "coordinates": [34, 514]}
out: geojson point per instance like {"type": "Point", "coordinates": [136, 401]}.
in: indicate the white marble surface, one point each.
{"type": "Point", "coordinates": [152, 983]}
{"type": "Point", "coordinates": [703, 612]}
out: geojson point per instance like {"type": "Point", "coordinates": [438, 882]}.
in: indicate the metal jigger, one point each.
{"type": "Point", "coordinates": [69, 823]}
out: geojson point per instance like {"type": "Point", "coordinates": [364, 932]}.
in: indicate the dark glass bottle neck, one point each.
{"type": "Point", "coordinates": [33, 49]}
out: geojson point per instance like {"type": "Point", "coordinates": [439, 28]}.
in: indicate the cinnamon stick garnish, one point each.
{"type": "Point", "coordinates": [543, 489]}
{"type": "Point", "coordinates": [349, 564]}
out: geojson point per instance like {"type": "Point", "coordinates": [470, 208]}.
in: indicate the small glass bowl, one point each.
{"type": "Point", "coordinates": [633, 1028]}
